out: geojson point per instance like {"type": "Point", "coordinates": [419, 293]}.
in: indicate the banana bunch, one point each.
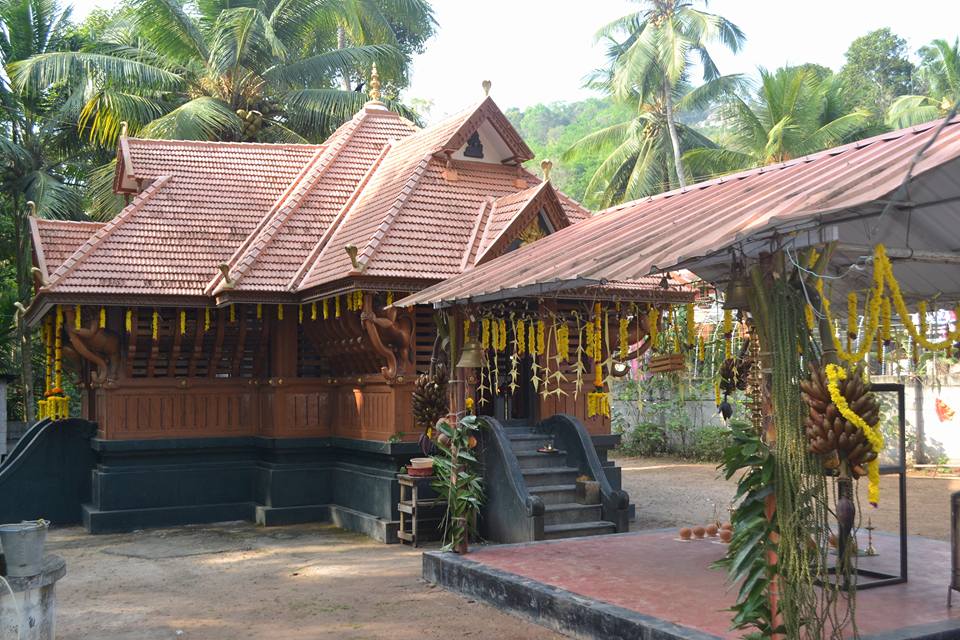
{"type": "Point", "coordinates": [830, 434]}
{"type": "Point", "coordinates": [733, 374]}
{"type": "Point", "coordinates": [430, 397]}
{"type": "Point", "coordinates": [252, 123]}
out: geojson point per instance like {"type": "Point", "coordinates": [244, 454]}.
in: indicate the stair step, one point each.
{"type": "Point", "coordinates": [578, 529]}
{"type": "Point", "coordinates": [555, 493]}
{"type": "Point", "coordinates": [535, 460]}
{"type": "Point", "coordinates": [571, 512]}
{"type": "Point", "coordinates": [551, 475]}
{"type": "Point", "coordinates": [529, 444]}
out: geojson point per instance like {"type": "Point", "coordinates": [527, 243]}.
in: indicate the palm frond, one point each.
{"type": "Point", "coordinates": [36, 74]}
{"type": "Point", "coordinates": [103, 115]}
{"type": "Point", "coordinates": [171, 31]}
{"type": "Point", "coordinates": [909, 111]}
{"type": "Point", "coordinates": [318, 70]}
{"type": "Point", "coordinates": [203, 118]}
{"type": "Point", "coordinates": [54, 198]}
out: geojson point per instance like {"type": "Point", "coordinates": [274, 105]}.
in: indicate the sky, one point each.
{"type": "Point", "coordinates": [540, 50]}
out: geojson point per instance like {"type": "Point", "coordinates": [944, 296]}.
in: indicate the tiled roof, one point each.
{"type": "Point", "coordinates": [56, 240]}
{"type": "Point", "coordinates": [281, 216]}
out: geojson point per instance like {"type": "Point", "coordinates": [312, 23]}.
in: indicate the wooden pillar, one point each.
{"type": "Point", "coordinates": [283, 342]}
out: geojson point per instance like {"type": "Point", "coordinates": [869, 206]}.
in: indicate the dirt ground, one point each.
{"type": "Point", "coordinates": [672, 493]}
{"type": "Point", "coordinates": [234, 580]}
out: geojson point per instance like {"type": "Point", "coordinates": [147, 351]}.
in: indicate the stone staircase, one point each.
{"type": "Point", "coordinates": [547, 476]}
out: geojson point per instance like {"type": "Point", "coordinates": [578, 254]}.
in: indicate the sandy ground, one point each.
{"type": "Point", "coordinates": [670, 493]}
{"type": "Point", "coordinates": [234, 580]}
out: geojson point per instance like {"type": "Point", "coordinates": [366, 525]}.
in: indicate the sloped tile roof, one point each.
{"type": "Point", "coordinates": [56, 240]}
{"type": "Point", "coordinates": [306, 211]}
{"type": "Point", "coordinates": [280, 216]}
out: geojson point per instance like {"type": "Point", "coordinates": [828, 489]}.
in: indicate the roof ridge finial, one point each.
{"type": "Point", "coordinates": [374, 83]}
{"type": "Point", "coordinates": [547, 167]}
{"type": "Point", "coordinates": [486, 84]}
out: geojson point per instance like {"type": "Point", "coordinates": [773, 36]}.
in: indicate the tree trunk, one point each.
{"type": "Point", "coordinates": [674, 138]}
{"type": "Point", "coordinates": [23, 295]}
{"type": "Point", "coordinates": [342, 44]}
{"type": "Point", "coordinates": [920, 454]}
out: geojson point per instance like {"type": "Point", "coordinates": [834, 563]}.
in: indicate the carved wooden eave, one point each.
{"type": "Point", "coordinates": [391, 337]}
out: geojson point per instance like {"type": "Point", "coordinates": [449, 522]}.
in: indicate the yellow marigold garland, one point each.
{"type": "Point", "coordinates": [183, 322]}
{"type": "Point", "coordinates": [128, 320]}
{"type": "Point", "coordinates": [103, 317]}
{"type": "Point", "coordinates": [531, 339]}
{"type": "Point", "coordinates": [727, 334]}
{"type": "Point", "coordinates": [834, 375]}
{"type": "Point", "coordinates": [77, 317]}
{"type": "Point", "coordinates": [259, 311]}
{"type": "Point", "coordinates": [691, 326]}
{"type": "Point", "coordinates": [502, 345]}
{"type": "Point", "coordinates": [563, 341]}
{"type": "Point", "coordinates": [701, 349]}
{"type": "Point", "coordinates": [521, 338]}
{"type": "Point", "coordinates": [541, 337]}
{"type": "Point", "coordinates": [326, 309]}
{"type": "Point", "coordinates": [299, 314]}
{"type": "Point", "coordinates": [313, 310]}
{"type": "Point", "coordinates": [886, 313]}
{"type": "Point", "coordinates": [389, 298]}
{"type": "Point", "coordinates": [206, 319]}
{"type": "Point", "coordinates": [336, 306]}
{"type": "Point", "coordinates": [598, 402]}
{"type": "Point", "coordinates": [485, 333]}
{"type": "Point", "coordinates": [155, 325]}
{"type": "Point", "coordinates": [624, 338]}
{"type": "Point", "coordinates": [279, 312]}
{"type": "Point", "coordinates": [653, 325]}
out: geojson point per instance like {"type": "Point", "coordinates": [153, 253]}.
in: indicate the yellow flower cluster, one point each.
{"type": "Point", "coordinates": [354, 300]}
{"type": "Point", "coordinates": [541, 337]}
{"type": "Point", "coordinates": [872, 432]}
{"type": "Point", "coordinates": [624, 338]}
{"type": "Point", "coordinates": [233, 314]}
{"type": "Point", "coordinates": [727, 334]}
{"type": "Point", "coordinates": [485, 333]}
{"type": "Point", "coordinates": [103, 317]}
{"type": "Point", "coordinates": [521, 338]}
{"type": "Point", "coordinates": [502, 335]}
{"type": "Point", "coordinates": [155, 325]}
{"type": "Point", "coordinates": [279, 312]}
{"type": "Point", "coordinates": [56, 405]}
{"type": "Point", "coordinates": [183, 322]}
{"type": "Point", "coordinates": [313, 310]}
{"type": "Point", "coordinates": [531, 339]}
{"type": "Point", "coordinates": [77, 317]}
{"type": "Point", "coordinates": [883, 278]}
{"type": "Point", "coordinates": [563, 342]}
{"type": "Point", "coordinates": [653, 325]}
{"type": "Point", "coordinates": [598, 403]}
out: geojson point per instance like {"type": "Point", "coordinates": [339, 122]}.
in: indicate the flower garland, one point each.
{"type": "Point", "coordinates": [313, 310]}
{"type": "Point", "coordinates": [541, 337]}
{"type": "Point", "coordinates": [183, 322]}
{"type": "Point", "coordinates": [563, 342]}
{"type": "Point", "coordinates": [851, 319]}
{"type": "Point", "coordinates": [834, 375]}
{"type": "Point", "coordinates": [653, 325]}
{"type": "Point", "coordinates": [598, 402]}
{"type": "Point", "coordinates": [155, 325]}
{"type": "Point", "coordinates": [103, 317]}
{"type": "Point", "coordinates": [691, 326]}
{"type": "Point", "coordinates": [77, 317]}
{"type": "Point", "coordinates": [502, 343]}
{"type": "Point", "coordinates": [624, 338]}
{"type": "Point", "coordinates": [521, 334]}
{"type": "Point", "coordinates": [485, 333]}
{"type": "Point", "coordinates": [727, 334]}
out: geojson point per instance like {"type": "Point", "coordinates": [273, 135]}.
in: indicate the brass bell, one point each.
{"type": "Point", "coordinates": [737, 295]}
{"type": "Point", "coordinates": [470, 357]}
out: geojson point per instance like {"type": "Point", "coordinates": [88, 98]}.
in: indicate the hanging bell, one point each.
{"type": "Point", "coordinates": [470, 357]}
{"type": "Point", "coordinates": [737, 295]}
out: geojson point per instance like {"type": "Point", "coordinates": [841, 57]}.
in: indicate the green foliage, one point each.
{"type": "Point", "coordinates": [459, 480]}
{"type": "Point", "coordinates": [940, 74]}
{"type": "Point", "coordinates": [794, 112]}
{"type": "Point", "coordinates": [877, 70]}
{"type": "Point", "coordinates": [746, 559]}
{"type": "Point", "coordinates": [551, 129]}
{"type": "Point", "coordinates": [709, 443]}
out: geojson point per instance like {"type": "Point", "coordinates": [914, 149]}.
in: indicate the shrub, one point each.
{"type": "Point", "coordinates": [645, 439]}
{"type": "Point", "coordinates": [709, 443]}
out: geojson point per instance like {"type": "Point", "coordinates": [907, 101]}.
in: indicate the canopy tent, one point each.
{"type": "Point", "coordinates": [901, 189]}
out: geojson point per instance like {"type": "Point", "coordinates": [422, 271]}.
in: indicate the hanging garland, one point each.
{"type": "Point", "coordinates": [598, 402]}
{"type": "Point", "coordinates": [872, 432]}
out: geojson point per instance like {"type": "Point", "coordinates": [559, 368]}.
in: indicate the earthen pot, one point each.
{"type": "Point", "coordinates": [726, 535]}
{"type": "Point", "coordinates": [727, 525]}
{"type": "Point", "coordinates": [712, 530]}
{"type": "Point", "coordinates": [685, 533]}
{"type": "Point", "coordinates": [698, 532]}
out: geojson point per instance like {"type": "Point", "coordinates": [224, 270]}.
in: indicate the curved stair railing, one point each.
{"type": "Point", "coordinates": [48, 473]}
{"type": "Point", "coordinates": [510, 513]}
{"type": "Point", "coordinates": [570, 435]}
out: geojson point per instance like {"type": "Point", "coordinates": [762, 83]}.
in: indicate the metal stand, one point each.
{"type": "Point", "coordinates": [954, 544]}
{"type": "Point", "coordinates": [419, 513]}
{"type": "Point", "coordinates": [872, 578]}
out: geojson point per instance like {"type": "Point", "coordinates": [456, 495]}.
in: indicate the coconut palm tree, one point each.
{"type": "Point", "coordinates": [795, 111]}
{"type": "Point", "coordinates": [640, 150]}
{"type": "Point", "coordinates": [661, 39]}
{"type": "Point", "coordinates": [218, 69]}
{"type": "Point", "coordinates": [940, 72]}
{"type": "Point", "coordinates": [39, 149]}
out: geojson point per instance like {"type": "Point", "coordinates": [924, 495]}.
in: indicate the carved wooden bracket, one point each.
{"type": "Point", "coordinates": [99, 346]}
{"type": "Point", "coordinates": [390, 336]}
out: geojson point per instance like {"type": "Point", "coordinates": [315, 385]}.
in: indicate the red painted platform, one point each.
{"type": "Point", "coordinates": [653, 574]}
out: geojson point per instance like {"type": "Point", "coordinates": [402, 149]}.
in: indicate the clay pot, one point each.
{"type": "Point", "coordinates": [698, 532]}
{"type": "Point", "coordinates": [685, 533]}
{"type": "Point", "coordinates": [727, 525]}
{"type": "Point", "coordinates": [712, 530]}
{"type": "Point", "coordinates": [726, 535]}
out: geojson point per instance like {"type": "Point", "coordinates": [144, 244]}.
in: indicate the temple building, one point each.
{"type": "Point", "coordinates": [231, 332]}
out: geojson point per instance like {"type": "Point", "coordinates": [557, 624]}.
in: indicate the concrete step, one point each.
{"type": "Point", "coordinates": [550, 476]}
{"type": "Point", "coordinates": [534, 460]}
{"type": "Point", "coordinates": [556, 494]}
{"type": "Point", "coordinates": [529, 443]}
{"type": "Point", "coordinates": [578, 529]}
{"type": "Point", "coordinates": [571, 512]}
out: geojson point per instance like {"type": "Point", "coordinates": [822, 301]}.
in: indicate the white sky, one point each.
{"type": "Point", "coordinates": [540, 50]}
